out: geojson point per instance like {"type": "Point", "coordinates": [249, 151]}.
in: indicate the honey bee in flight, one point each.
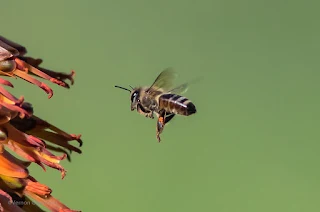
{"type": "Point", "coordinates": [162, 99]}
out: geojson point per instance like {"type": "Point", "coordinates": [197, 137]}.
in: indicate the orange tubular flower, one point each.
{"type": "Point", "coordinates": [14, 63]}
{"type": "Point", "coordinates": [28, 136]}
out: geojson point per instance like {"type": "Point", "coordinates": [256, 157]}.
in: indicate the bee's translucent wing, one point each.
{"type": "Point", "coordinates": [181, 89]}
{"type": "Point", "coordinates": [7, 51]}
{"type": "Point", "coordinates": [164, 81]}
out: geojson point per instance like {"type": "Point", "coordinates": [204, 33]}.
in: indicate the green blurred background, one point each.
{"type": "Point", "coordinates": [252, 146]}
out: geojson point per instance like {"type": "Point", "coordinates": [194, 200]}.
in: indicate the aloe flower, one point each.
{"type": "Point", "coordinates": [28, 136]}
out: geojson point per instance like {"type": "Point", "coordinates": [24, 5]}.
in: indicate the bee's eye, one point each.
{"type": "Point", "coordinates": [134, 97]}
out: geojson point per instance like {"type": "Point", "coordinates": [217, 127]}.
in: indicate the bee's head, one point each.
{"type": "Point", "coordinates": [134, 96]}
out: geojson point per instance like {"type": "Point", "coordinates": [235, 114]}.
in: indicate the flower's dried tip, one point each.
{"type": "Point", "coordinates": [5, 82]}
{"type": "Point", "coordinates": [63, 173]}
{"type": "Point", "coordinates": [47, 89]}
{"type": "Point", "coordinates": [58, 82]}
{"type": "Point", "coordinates": [77, 138]}
{"type": "Point", "coordinates": [62, 157]}
{"type": "Point", "coordinates": [72, 75]}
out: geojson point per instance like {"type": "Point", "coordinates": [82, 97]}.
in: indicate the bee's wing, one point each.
{"type": "Point", "coordinates": [7, 51]}
{"type": "Point", "coordinates": [180, 89]}
{"type": "Point", "coordinates": [164, 81]}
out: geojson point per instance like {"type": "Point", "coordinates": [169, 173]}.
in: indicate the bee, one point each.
{"type": "Point", "coordinates": [162, 99]}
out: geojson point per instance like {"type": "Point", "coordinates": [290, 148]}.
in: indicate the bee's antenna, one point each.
{"type": "Point", "coordinates": [131, 87]}
{"type": "Point", "coordinates": [123, 88]}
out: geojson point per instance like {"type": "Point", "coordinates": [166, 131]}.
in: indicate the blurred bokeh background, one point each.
{"type": "Point", "coordinates": [252, 146]}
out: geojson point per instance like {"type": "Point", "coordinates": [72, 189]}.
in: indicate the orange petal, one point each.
{"type": "Point", "coordinates": [58, 149]}
{"type": "Point", "coordinates": [39, 156]}
{"type": "Point", "coordinates": [9, 98]}
{"type": "Point", "coordinates": [5, 82]}
{"type": "Point", "coordinates": [37, 188]}
{"type": "Point", "coordinates": [24, 152]}
{"type": "Point", "coordinates": [57, 75]}
{"type": "Point", "coordinates": [37, 72]}
{"type": "Point", "coordinates": [60, 76]}
{"type": "Point", "coordinates": [22, 138]}
{"type": "Point", "coordinates": [27, 77]}
{"type": "Point", "coordinates": [11, 166]}
{"type": "Point", "coordinates": [13, 105]}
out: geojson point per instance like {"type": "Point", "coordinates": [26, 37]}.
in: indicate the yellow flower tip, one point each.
{"type": "Point", "coordinates": [8, 98]}
{"type": "Point", "coordinates": [52, 161]}
{"type": "Point", "coordinates": [12, 183]}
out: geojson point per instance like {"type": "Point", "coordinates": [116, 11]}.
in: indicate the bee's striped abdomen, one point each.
{"type": "Point", "coordinates": [176, 104]}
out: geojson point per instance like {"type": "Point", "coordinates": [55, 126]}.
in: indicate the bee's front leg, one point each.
{"type": "Point", "coordinates": [147, 114]}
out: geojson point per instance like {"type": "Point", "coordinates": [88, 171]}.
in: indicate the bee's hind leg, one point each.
{"type": "Point", "coordinates": [169, 117]}
{"type": "Point", "coordinates": [163, 119]}
{"type": "Point", "coordinates": [160, 124]}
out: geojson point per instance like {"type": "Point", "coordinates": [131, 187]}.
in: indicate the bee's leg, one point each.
{"type": "Point", "coordinates": [139, 110]}
{"type": "Point", "coordinates": [150, 115]}
{"type": "Point", "coordinates": [169, 117]}
{"type": "Point", "coordinates": [160, 123]}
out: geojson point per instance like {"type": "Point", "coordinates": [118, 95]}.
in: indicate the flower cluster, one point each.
{"type": "Point", "coordinates": [27, 136]}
